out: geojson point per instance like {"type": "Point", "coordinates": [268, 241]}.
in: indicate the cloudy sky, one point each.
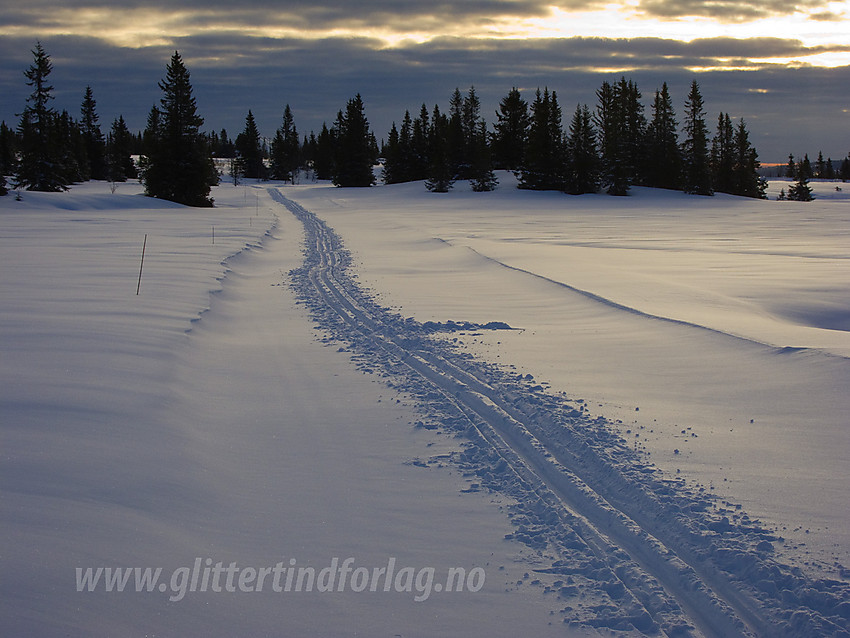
{"type": "Point", "coordinates": [782, 66]}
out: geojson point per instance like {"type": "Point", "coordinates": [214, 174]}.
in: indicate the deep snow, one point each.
{"type": "Point", "coordinates": [711, 326]}
{"type": "Point", "coordinates": [152, 430]}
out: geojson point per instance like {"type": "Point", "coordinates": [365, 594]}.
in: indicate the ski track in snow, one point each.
{"type": "Point", "coordinates": [621, 545]}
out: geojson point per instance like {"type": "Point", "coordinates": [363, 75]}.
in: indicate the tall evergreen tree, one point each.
{"type": "Point", "coordinates": [420, 145]}
{"type": "Point", "coordinates": [790, 167]}
{"type": "Point", "coordinates": [119, 161]}
{"type": "Point", "coordinates": [663, 164]}
{"type": "Point", "coordinates": [441, 171]}
{"type": "Point", "coordinates": [745, 168]}
{"type": "Point", "coordinates": [844, 170]}
{"type": "Point", "coordinates": [510, 131]}
{"type": "Point", "coordinates": [820, 166]}
{"type": "Point", "coordinates": [39, 166]}
{"type": "Point", "coordinates": [696, 172]}
{"type": "Point", "coordinates": [634, 129]}
{"type": "Point", "coordinates": [406, 169]}
{"type": "Point", "coordinates": [225, 147]}
{"type": "Point", "coordinates": [482, 177]}
{"type": "Point", "coordinates": [391, 171]}
{"type": "Point", "coordinates": [800, 191]}
{"type": "Point", "coordinates": [8, 149]}
{"type": "Point", "coordinates": [805, 167]}
{"type": "Point", "coordinates": [723, 152]}
{"type": "Point", "coordinates": [69, 140]}
{"type": "Point", "coordinates": [622, 130]}
{"type": "Point", "coordinates": [285, 149]}
{"type": "Point", "coordinates": [8, 145]}
{"type": "Point", "coordinates": [324, 159]}
{"type": "Point", "coordinates": [95, 144]}
{"type": "Point", "coordinates": [614, 171]}
{"type": "Point", "coordinates": [582, 159]}
{"type": "Point", "coordinates": [829, 171]}
{"type": "Point", "coordinates": [355, 146]}
{"type": "Point", "coordinates": [470, 123]}
{"type": "Point", "coordinates": [455, 139]}
{"type": "Point", "coordinates": [180, 168]}
{"type": "Point", "coordinates": [249, 150]}
{"type": "Point", "coordinates": [543, 162]}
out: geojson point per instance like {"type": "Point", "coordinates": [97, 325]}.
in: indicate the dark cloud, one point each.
{"type": "Point", "coordinates": [232, 73]}
{"type": "Point", "coordinates": [725, 10]}
{"type": "Point", "coordinates": [390, 15]}
{"type": "Point", "coordinates": [294, 14]}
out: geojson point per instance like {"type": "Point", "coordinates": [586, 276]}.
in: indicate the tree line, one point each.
{"type": "Point", "coordinates": [51, 150]}
{"type": "Point", "coordinates": [610, 147]}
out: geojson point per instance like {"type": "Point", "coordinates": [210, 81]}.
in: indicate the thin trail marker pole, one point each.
{"type": "Point", "coordinates": [142, 264]}
{"type": "Point", "coordinates": [213, 235]}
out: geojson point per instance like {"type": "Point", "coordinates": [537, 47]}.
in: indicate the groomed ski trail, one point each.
{"type": "Point", "coordinates": [666, 564]}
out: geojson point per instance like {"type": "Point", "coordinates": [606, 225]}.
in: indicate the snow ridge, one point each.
{"type": "Point", "coordinates": [619, 545]}
{"type": "Point", "coordinates": [635, 311]}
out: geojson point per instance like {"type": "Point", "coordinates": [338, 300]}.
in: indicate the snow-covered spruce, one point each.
{"type": "Point", "coordinates": [622, 545]}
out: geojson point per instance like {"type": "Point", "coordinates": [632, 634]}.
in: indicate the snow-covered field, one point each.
{"type": "Point", "coordinates": [206, 420]}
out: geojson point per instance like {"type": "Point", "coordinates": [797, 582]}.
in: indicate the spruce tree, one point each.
{"type": "Point", "coordinates": [95, 144]}
{"type": "Point", "coordinates": [324, 159]}
{"type": "Point", "coordinates": [406, 169]}
{"type": "Point", "coordinates": [179, 167]}
{"type": "Point", "coordinates": [614, 171]}
{"type": "Point", "coordinates": [420, 145]}
{"type": "Point", "coordinates": [8, 149]}
{"type": "Point", "coordinates": [119, 161]}
{"type": "Point", "coordinates": [663, 165]}
{"type": "Point", "coordinates": [470, 123]}
{"type": "Point", "coordinates": [510, 131]}
{"type": "Point", "coordinates": [543, 164]}
{"type": "Point", "coordinates": [458, 158]}
{"type": "Point", "coordinates": [844, 170]}
{"type": "Point", "coordinates": [40, 167]}
{"type": "Point", "coordinates": [622, 132]}
{"type": "Point", "coordinates": [723, 155]}
{"type": "Point", "coordinates": [800, 191]}
{"type": "Point", "coordinates": [633, 131]}
{"type": "Point", "coordinates": [805, 167]}
{"type": "Point", "coordinates": [820, 166]}
{"type": "Point", "coordinates": [7, 155]}
{"type": "Point", "coordinates": [696, 171]}
{"type": "Point", "coordinates": [355, 147]}
{"type": "Point", "coordinates": [391, 169]}
{"type": "Point", "coordinates": [441, 171]}
{"type": "Point", "coordinates": [249, 149]}
{"type": "Point", "coordinates": [829, 171]}
{"type": "Point", "coordinates": [72, 157]}
{"type": "Point", "coordinates": [582, 160]}
{"type": "Point", "coordinates": [746, 180]}
{"type": "Point", "coordinates": [482, 177]}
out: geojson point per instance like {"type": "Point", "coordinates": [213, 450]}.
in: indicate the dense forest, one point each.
{"type": "Point", "coordinates": [610, 146]}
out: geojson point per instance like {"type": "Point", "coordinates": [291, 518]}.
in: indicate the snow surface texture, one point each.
{"type": "Point", "coordinates": [670, 558]}
{"type": "Point", "coordinates": [151, 430]}
{"type": "Point", "coordinates": [661, 311]}
{"type": "Point", "coordinates": [145, 431]}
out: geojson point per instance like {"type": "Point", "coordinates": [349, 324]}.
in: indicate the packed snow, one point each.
{"type": "Point", "coordinates": [629, 413]}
